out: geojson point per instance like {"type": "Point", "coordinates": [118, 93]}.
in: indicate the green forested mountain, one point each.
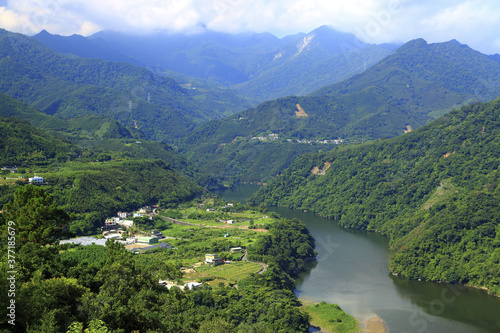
{"type": "Point", "coordinates": [259, 66]}
{"type": "Point", "coordinates": [98, 179]}
{"type": "Point", "coordinates": [86, 127]}
{"type": "Point", "coordinates": [73, 87]}
{"type": "Point", "coordinates": [23, 145]}
{"type": "Point", "coordinates": [97, 138]}
{"type": "Point", "coordinates": [424, 80]}
{"type": "Point", "coordinates": [404, 91]}
{"type": "Point", "coordinates": [434, 192]}
{"type": "Point", "coordinates": [310, 61]}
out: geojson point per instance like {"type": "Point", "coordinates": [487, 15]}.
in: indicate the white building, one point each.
{"type": "Point", "coordinates": [123, 215]}
{"type": "Point", "coordinates": [36, 180]}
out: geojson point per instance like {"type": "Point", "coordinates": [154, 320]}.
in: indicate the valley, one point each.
{"type": "Point", "coordinates": [398, 142]}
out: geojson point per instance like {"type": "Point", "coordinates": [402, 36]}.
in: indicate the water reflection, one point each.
{"type": "Point", "coordinates": [352, 271]}
{"type": "Point", "coordinates": [467, 305]}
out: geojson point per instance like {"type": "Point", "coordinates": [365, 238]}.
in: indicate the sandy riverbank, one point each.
{"type": "Point", "coordinates": [374, 325]}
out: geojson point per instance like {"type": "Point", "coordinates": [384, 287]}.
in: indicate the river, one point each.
{"type": "Point", "coordinates": [352, 271]}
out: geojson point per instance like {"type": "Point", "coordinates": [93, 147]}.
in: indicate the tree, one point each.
{"type": "Point", "coordinates": [49, 303]}
{"type": "Point", "coordinates": [37, 218]}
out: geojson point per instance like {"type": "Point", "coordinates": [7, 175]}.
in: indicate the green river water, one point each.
{"type": "Point", "coordinates": [352, 271]}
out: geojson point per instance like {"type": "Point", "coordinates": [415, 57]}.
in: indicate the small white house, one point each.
{"type": "Point", "coordinates": [36, 180]}
{"type": "Point", "coordinates": [123, 215]}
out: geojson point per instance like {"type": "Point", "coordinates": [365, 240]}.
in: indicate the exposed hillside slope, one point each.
{"type": "Point", "coordinates": [402, 92]}
{"type": "Point", "coordinates": [435, 192]}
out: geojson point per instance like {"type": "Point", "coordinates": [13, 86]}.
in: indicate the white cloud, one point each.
{"type": "Point", "coordinates": [470, 21]}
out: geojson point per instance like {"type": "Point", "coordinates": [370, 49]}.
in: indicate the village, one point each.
{"type": "Point", "coordinates": [274, 137]}
{"type": "Point", "coordinates": [205, 239]}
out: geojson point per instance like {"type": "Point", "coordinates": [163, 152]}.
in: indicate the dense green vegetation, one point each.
{"type": "Point", "coordinates": [402, 92]}
{"type": "Point", "coordinates": [97, 139]}
{"type": "Point", "coordinates": [331, 318]}
{"type": "Point", "coordinates": [246, 159]}
{"type": "Point", "coordinates": [23, 145]}
{"type": "Point", "coordinates": [71, 87]}
{"type": "Point", "coordinates": [259, 66]}
{"type": "Point", "coordinates": [288, 245]}
{"type": "Point", "coordinates": [434, 192]}
{"type": "Point", "coordinates": [87, 127]}
{"type": "Point", "coordinates": [62, 288]}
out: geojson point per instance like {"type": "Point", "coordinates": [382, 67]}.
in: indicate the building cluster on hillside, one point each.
{"type": "Point", "coordinates": [125, 219]}
{"type": "Point", "coordinates": [272, 137]}
{"type": "Point", "coordinates": [113, 229]}
{"type": "Point", "coordinates": [335, 142]}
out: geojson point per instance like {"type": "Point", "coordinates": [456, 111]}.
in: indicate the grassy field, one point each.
{"type": "Point", "coordinates": [331, 318]}
{"type": "Point", "coordinates": [227, 273]}
{"type": "Point", "coordinates": [10, 181]}
{"type": "Point", "coordinates": [209, 235]}
{"type": "Point", "coordinates": [214, 212]}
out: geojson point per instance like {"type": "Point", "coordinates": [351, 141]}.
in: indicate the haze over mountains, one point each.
{"type": "Point", "coordinates": [416, 84]}
{"type": "Point", "coordinates": [393, 92]}
{"type": "Point", "coordinates": [258, 65]}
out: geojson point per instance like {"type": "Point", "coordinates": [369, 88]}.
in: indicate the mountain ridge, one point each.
{"type": "Point", "coordinates": [243, 61]}
{"type": "Point", "coordinates": [401, 90]}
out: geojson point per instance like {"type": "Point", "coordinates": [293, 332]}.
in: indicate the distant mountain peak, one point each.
{"type": "Point", "coordinates": [44, 32]}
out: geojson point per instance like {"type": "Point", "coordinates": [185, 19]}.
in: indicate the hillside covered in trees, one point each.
{"type": "Point", "coordinates": [62, 288]}
{"type": "Point", "coordinates": [70, 87]}
{"type": "Point", "coordinates": [434, 192]}
{"type": "Point", "coordinates": [416, 84]}
{"type": "Point", "coordinates": [95, 179]}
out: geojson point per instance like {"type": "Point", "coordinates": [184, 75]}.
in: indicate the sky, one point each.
{"type": "Point", "coordinates": [472, 22]}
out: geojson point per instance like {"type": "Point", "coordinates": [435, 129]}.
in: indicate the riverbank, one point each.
{"type": "Point", "coordinates": [374, 325]}
{"type": "Point", "coordinates": [330, 318]}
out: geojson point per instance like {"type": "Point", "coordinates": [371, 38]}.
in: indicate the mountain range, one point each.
{"type": "Point", "coordinates": [70, 87]}
{"type": "Point", "coordinates": [402, 92]}
{"type": "Point", "coordinates": [259, 66]}
{"type": "Point", "coordinates": [410, 86]}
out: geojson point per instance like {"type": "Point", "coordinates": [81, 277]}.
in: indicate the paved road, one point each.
{"type": "Point", "coordinates": [264, 266]}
